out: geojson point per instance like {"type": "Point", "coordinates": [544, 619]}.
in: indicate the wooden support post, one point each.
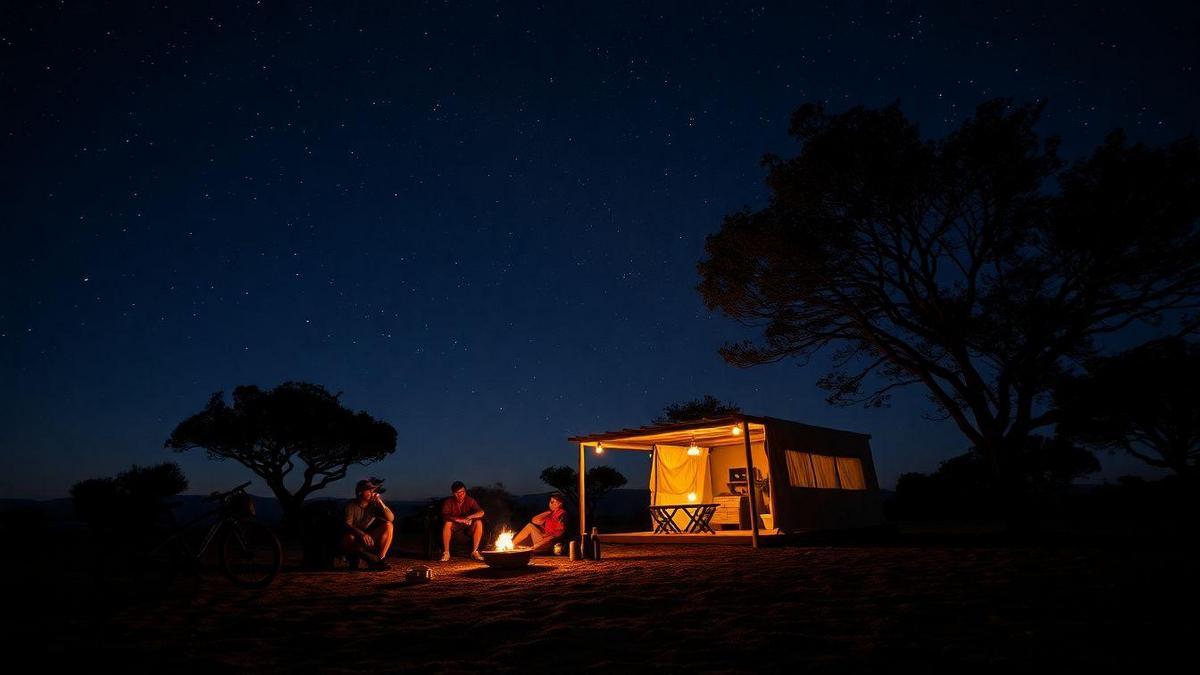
{"type": "Point", "coordinates": [582, 499]}
{"type": "Point", "coordinates": [750, 482]}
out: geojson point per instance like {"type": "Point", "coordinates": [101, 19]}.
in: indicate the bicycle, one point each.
{"type": "Point", "coordinates": [249, 553]}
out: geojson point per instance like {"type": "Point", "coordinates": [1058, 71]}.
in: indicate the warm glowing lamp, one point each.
{"type": "Point", "coordinates": [599, 448]}
{"type": "Point", "coordinates": [736, 430]}
{"type": "Point", "coordinates": [691, 496]}
{"type": "Point", "coordinates": [694, 450]}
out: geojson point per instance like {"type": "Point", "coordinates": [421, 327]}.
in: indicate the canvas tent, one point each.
{"type": "Point", "coordinates": [805, 477]}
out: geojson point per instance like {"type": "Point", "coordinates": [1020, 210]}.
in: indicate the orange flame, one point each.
{"type": "Point", "coordinates": [505, 541]}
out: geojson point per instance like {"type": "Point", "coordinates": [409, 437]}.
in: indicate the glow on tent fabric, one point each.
{"type": "Point", "coordinates": [850, 473]}
{"type": "Point", "coordinates": [674, 475]}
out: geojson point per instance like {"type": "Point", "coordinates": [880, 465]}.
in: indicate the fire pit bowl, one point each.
{"type": "Point", "coordinates": [507, 560]}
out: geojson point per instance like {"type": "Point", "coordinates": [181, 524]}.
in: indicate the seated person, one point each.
{"type": "Point", "coordinates": [461, 513]}
{"type": "Point", "coordinates": [546, 527]}
{"type": "Point", "coordinates": [368, 527]}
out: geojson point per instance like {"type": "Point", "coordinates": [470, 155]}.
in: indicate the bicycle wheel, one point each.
{"type": "Point", "coordinates": [250, 554]}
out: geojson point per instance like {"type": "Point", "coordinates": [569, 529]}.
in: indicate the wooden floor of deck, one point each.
{"type": "Point", "coordinates": [720, 537]}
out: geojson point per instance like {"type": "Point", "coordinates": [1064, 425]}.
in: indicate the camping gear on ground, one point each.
{"type": "Point", "coordinates": [572, 554]}
{"type": "Point", "coordinates": [418, 574]}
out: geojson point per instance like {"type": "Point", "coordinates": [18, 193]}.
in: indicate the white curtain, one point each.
{"type": "Point", "coordinates": [825, 469]}
{"type": "Point", "coordinates": [674, 474]}
{"type": "Point", "coordinates": [800, 471]}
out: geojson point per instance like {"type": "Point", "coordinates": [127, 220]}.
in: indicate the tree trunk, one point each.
{"type": "Point", "coordinates": [291, 508]}
{"type": "Point", "coordinates": [1012, 497]}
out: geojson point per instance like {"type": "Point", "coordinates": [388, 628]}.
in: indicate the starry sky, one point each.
{"type": "Point", "coordinates": [479, 221]}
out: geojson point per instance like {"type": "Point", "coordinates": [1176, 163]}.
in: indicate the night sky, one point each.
{"type": "Point", "coordinates": [480, 221]}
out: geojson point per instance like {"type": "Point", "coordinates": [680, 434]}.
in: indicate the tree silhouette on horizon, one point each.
{"type": "Point", "coordinates": [1143, 401]}
{"type": "Point", "coordinates": [601, 480]}
{"type": "Point", "coordinates": [980, 266]}
{"type": "Point", "coordinates": [296, 425]}
{"type": "Point", "coordinates": [696, 409]}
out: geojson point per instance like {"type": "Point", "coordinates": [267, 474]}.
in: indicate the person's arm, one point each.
{"type": "Point", "coordinates": [447, 516]}
{"type": "Point", "coordinates": [540, 518]}
{"type": "Point", "coordinates": [477, 513]}
{"type": "Point", "coordinates": [362, 536]}
{"type": "Point", "coordinates": [385, 512]}
{"type": "Point", "coordinates": [350, 520]}
{"type": "Point", "coordinates": [553, 527]}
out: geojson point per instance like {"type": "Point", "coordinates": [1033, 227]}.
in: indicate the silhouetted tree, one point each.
{"type": "Point", "coordinates": [133, 497]}
{"type": "Point", "coordinates": [601, 480]}
{"type": "Point", "coordinates": [696, 409]}
{"type": "Point", "coordinates": [1052, 463]}
{"type": "Point", "coordinates": [498, 505]}
{"type": "Point", "coordinates": [965, 486]}
{"type": "Point", "coordinates": [1145, 402]}
{"type": "Point", "coordinates": [978, 266]}
{"type": "Point", "coordinates": [272, 432]}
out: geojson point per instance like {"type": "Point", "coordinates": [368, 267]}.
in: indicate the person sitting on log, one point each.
{"type": "Point", "coordinates": [545, 528]}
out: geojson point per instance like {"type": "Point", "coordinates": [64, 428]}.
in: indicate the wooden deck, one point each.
{"type": "Point", "coordinates": [721, 537]}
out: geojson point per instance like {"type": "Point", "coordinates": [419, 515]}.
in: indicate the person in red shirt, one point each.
{"type": "Point", "coordinates": [546, 527]}
{"type": "Point", "coordinates": [461, 513]}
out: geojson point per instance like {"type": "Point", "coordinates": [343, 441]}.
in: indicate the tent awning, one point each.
{"type": "Point", "coordinates": [706, 432]}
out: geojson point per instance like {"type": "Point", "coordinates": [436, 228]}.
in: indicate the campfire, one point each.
{"type": "Point", "coordinates": [504, 541]}
{"type": "Point", "coordinates": [506, 556]}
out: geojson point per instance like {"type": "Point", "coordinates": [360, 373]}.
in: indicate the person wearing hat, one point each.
{"type": "Point", "coordinates": [368, 527]}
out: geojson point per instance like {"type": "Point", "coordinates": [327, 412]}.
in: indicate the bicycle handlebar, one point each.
{"type": "Point", "coordinates": [216, 496]}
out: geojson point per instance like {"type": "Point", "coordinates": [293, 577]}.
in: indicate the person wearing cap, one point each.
{"type": "Point", "coordinates": [368, 527]}
{"type": "Point", "coordinates": [461, 513]}
{"type": "Point", "coordinates": [545, 528]}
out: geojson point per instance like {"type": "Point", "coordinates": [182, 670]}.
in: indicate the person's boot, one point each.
{"type": "Point", "coordinates": [352, 561]}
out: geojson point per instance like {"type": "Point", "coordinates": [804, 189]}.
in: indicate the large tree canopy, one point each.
{"type": "Point", "coordinates": [1144, 401]}
{"type": "Point", "coordinates": [978, 266]}
{"type": "Point", "coordinates": [133, 497]}
{"type": "Point", "coordinates": [295, 425]}
{"type": "Point", "coordinates": [601, 480]}
{"type": "Point", "coordinates": [696, 409]}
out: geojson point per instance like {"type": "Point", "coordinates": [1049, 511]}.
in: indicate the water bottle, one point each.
{"type": "Point", "coordinates": [571, 554]}
{"type": "Point", "coordinates": [595, 544]}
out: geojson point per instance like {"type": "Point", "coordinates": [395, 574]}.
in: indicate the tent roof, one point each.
{"type": "Point", "coordinates": [707, 432]}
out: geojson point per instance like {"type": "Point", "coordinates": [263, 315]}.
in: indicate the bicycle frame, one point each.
{"type": "Point", "coordinates": [178, 530]}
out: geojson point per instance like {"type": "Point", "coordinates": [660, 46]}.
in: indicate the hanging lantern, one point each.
{"type": "Point", "coordinates": [599, 448]}
{"type": "Point", "coordinates": [694, 450]}
{"type": "Point", "coordinates": [736, 430]}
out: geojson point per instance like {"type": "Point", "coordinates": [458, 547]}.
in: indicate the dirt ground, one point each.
{"type": "Point", "coordinates": [673, 608]}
